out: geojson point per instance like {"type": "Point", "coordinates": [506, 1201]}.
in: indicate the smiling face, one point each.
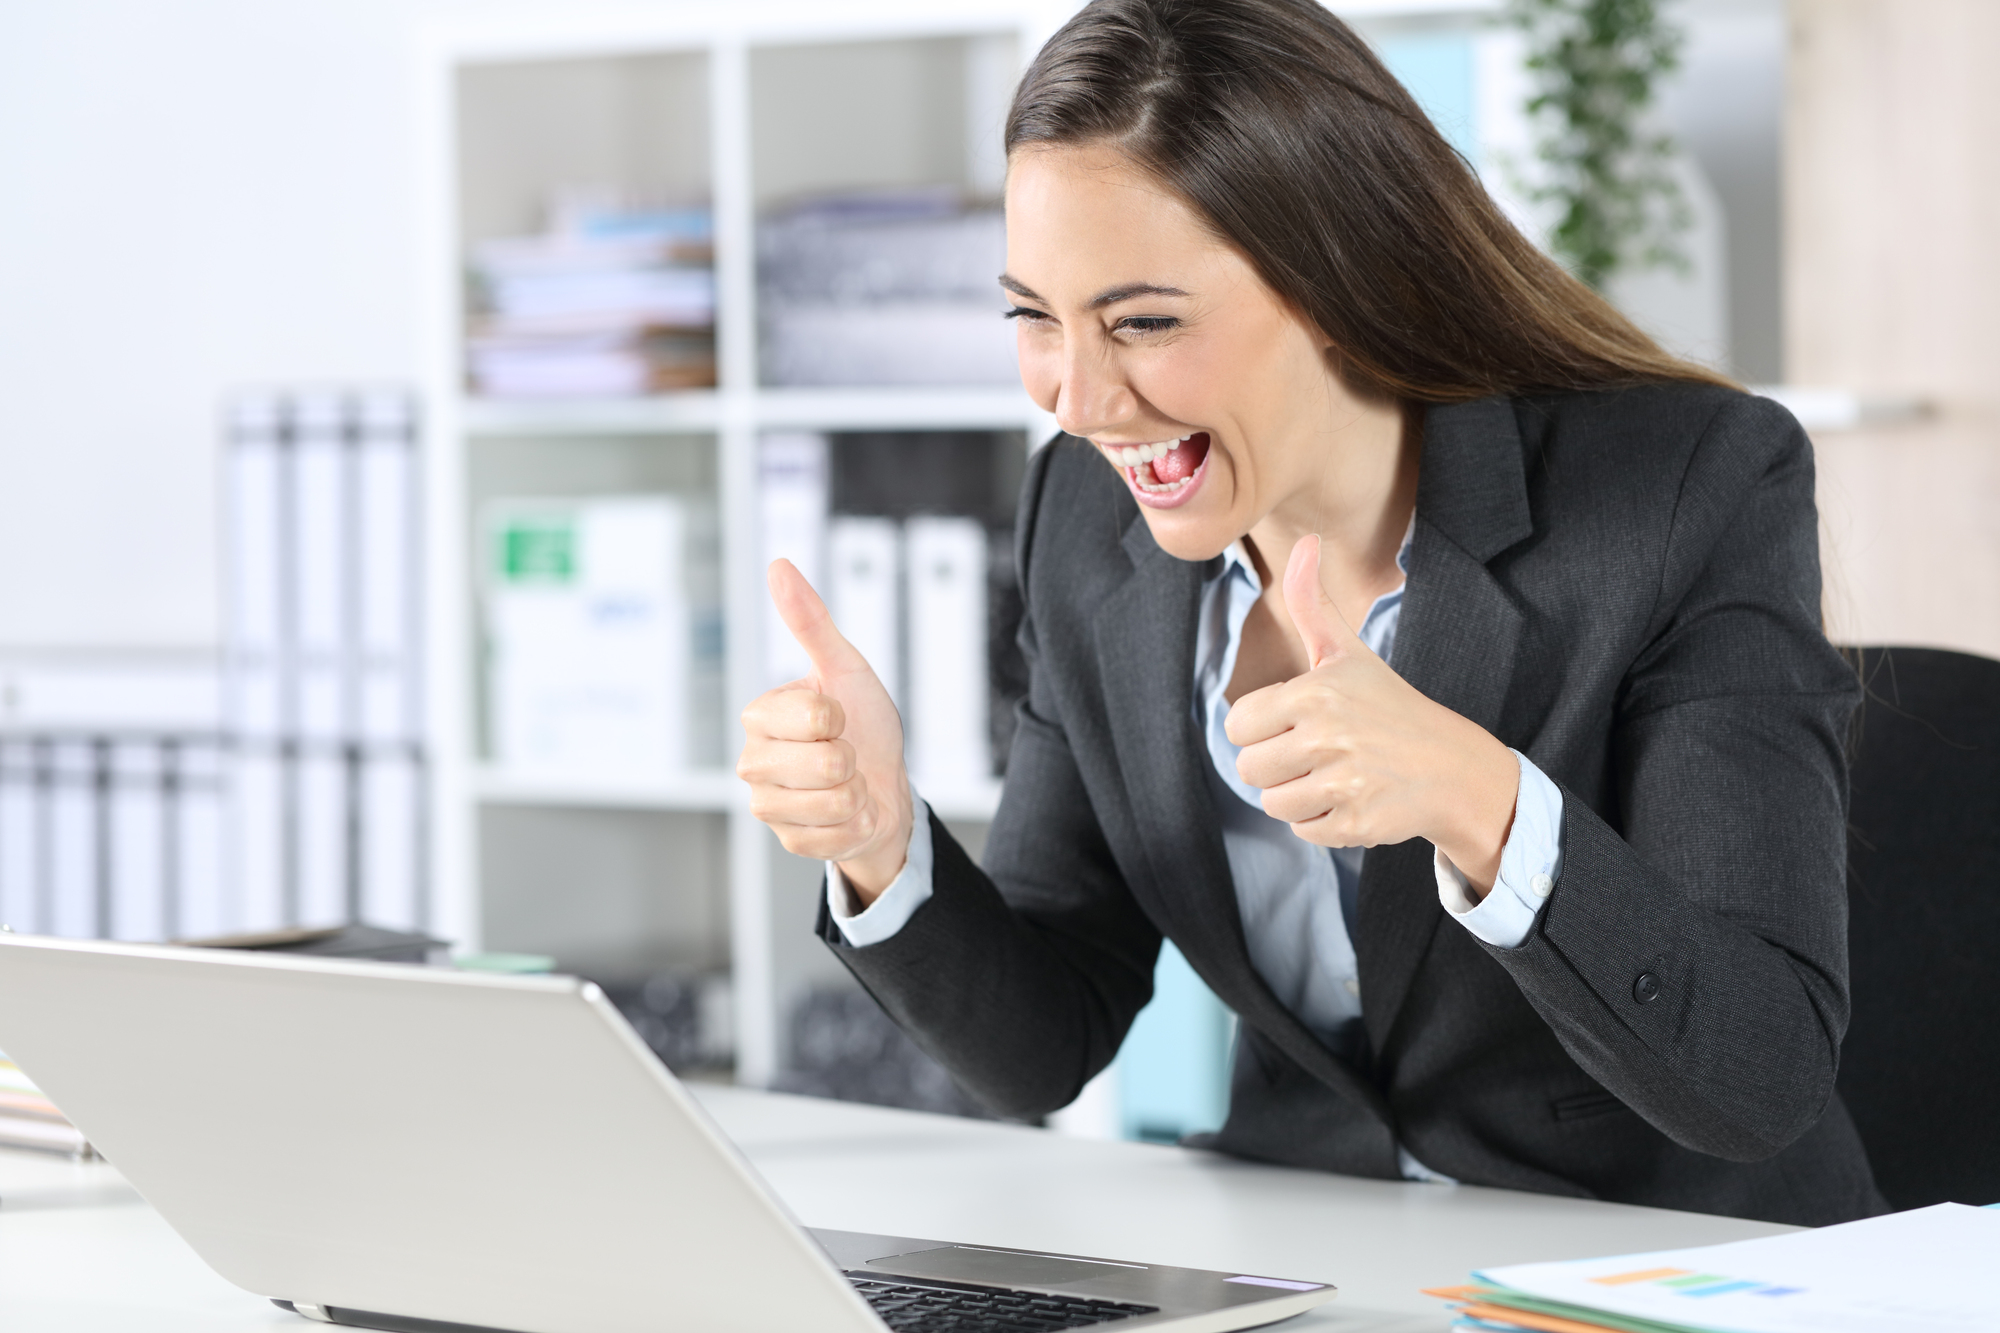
{"type": "Point", "coordinates": [1160, 344]}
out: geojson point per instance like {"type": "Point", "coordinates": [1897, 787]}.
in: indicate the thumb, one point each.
{"type": "Point", "coordinates": [1314, 616]}
{"type": "Point", "coordinates": [806, 616]}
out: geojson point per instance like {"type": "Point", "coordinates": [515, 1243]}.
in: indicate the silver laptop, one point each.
{"type": "Point", "coordinates": [401, 1147]}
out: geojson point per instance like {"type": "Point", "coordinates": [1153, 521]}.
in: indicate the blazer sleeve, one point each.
{"type": "Point", "coordinates": [1022, 978]}
{"type": "Point", "coordinates": [1693, 957]}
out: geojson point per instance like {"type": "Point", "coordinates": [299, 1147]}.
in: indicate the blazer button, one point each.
{"type": "Point", "coordinates": [1646, 989]}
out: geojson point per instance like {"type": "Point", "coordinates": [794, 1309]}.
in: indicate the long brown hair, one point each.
{"type": "Point", "coordinates": [1279, 126]}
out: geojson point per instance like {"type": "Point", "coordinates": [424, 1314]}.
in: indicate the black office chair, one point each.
{"type": "Point", "coordinates": [1920, 1070]}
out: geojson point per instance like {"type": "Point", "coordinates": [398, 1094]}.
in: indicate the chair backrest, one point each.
{"type": "Point", "coordinates": [1920, 1070]}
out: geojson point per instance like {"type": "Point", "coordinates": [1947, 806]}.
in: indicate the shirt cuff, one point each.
{"type": "Point", "coordinates": [1412, 1169]}
{"type": "Point", "coordinates": [907, 892]}
{"type": "Point", "coordinates": [1530, 864]}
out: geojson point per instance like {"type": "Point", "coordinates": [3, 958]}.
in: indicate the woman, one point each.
{"type": "Point", "coordinates": [1377, 531]}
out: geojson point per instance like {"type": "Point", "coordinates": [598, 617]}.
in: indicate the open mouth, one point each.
{"type": "Point", "coordinates": [1165, 472]}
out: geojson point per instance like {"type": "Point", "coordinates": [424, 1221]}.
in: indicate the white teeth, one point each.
{"type": "Point", "coordinates": [1134, 457]}
{"type": "Point", "coordinates": [1141, 454]}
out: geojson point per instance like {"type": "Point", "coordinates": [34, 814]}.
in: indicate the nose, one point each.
{"type": "Point", "coordinates": [1093, 397]}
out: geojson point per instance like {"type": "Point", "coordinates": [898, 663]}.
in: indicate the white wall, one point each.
{"type": "Point", "coordinates": [198, 195]}
{"type": "Point", "coordinates": [201, 194]}
{"type": "Point", "coordinates": [1726, 105]}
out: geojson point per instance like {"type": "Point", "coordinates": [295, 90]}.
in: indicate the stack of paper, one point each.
{"type": "Point", "coordinates": [1925, 1271]}
{"type": "Point", "coordinates": [30, 1120]}
{"type": "Point", "coordinates": [610, 302]}
{"type": "Point", "coordinates": [884, 287]}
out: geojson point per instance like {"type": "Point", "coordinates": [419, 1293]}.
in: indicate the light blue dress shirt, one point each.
{"type": "Point", "coordinates": [1295, 897]}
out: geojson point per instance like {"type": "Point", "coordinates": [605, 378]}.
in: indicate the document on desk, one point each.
{"type": "Point", "coordinates": [1929, 1270]}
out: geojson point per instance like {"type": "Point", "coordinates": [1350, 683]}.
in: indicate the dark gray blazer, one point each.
{"type": "Point", "coordinates": [1624, 586]}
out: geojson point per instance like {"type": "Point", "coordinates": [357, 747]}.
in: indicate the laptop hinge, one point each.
{"type": "Point", "coordinates": [311, 1311]}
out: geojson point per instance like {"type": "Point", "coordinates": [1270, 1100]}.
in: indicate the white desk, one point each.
{"type": "Point", "coordinates": [80, 1253]}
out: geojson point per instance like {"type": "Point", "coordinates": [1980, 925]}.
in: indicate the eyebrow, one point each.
{"type": "Point", "coordinates": [1109, 296]}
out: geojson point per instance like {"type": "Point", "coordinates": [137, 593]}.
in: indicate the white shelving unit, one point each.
{"type": "Point", "coordinates": [787, 103]}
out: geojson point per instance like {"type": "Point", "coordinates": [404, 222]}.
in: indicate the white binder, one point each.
{"type": "Point", "coordinates": [792, 481]}
{"type": "Point", "coordinates": [948, 741]}
{"type": "Point", "coordinates": [589, 626]}
{"type": "Point", "coordinates": [864, 576]}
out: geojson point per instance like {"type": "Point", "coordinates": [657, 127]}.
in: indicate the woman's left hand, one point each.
{"type": "Point", "coordinates": [1351, 755]}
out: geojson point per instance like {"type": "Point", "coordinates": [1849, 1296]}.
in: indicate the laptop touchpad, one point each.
{"type": "Point", "coordinates": [965, 1263]}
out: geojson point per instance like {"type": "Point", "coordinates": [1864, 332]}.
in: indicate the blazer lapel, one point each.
{"type": "Point", "coordinates": [1145, 647]}
{"type": "Point", "coordinates": [1455, 641]}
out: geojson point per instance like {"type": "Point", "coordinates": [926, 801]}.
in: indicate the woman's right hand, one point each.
{"type": "Point", "coordinates": [824, 755]}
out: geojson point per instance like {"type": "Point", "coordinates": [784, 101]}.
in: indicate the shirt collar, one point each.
{"type": "Point", "coordinates": [1236, 557]}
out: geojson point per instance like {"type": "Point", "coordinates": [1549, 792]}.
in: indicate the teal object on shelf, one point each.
{"type": "Point", "coordinates": [517, 964]}
{"type": "Point", "coordinates": [1173, 1071]}
{"type": "Point", "coordinates": [1439, 70]}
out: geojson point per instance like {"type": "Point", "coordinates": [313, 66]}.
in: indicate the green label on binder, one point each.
{"type": "Point", "coordinates": [538, 551]}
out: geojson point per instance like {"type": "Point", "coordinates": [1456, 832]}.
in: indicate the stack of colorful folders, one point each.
{"type": "Point", "coordinates": [1929, 1270]}
{"type": "Point", "coordinates": [614, 300]}
{"type": "Point", "coordinates": [1506, 1310]}
{"type": "Point", "coordinates": [30, 1120]}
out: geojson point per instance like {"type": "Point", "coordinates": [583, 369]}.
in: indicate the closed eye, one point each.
{"type": "Point", "coordinates": [1025, 312]}
{"type": "Point", "coordinates": [1148, 323]}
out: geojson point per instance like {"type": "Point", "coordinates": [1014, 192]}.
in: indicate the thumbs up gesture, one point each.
{"type": "Point", "coordinates": [1351, 755]}
{"type": "Point", "coordinates": [824, 755]}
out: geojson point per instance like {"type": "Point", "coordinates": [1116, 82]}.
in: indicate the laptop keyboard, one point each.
{"type": "Point", "coordinates": [913, 1308]}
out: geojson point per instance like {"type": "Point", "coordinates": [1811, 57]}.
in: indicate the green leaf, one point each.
{"type": "Point", "coordinates": [1596, 65]}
